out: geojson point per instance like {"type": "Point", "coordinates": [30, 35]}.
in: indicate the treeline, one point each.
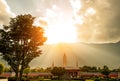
{"type": "Point", "coordinates": [97, 69]}
{"type": "Point", "coordinates": [82, 69]}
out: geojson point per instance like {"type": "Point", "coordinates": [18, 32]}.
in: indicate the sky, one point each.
{"type": "Point", "coordinates": [92, 26]}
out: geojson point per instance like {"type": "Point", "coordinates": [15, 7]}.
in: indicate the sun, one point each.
{"type": "Point", "coordinates": [59, 26]}
{"type": "Point", "coordinates": [61, 33]}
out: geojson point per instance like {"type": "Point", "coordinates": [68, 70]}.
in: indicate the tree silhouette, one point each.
{"type": "Point", "coordinates": [20, 43]}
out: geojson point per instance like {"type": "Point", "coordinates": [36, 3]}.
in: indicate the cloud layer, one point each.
{"type": "Point", "coordinates": [5, 12]}
{"type": "Point", "coordinates": [96, 21]}
{"type": "Point", "coordinates": [101, 27]}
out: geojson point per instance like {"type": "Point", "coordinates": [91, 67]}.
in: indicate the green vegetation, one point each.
{"type": "Point", "coordinates": [38, 69]}
{"type": "Point", "coordinates": [1, 68]}
{"type": "Point", "coordinates": [105, 71]}
{"type": "Point", "coordinates": [26, 71]}
{"type": "Point", "coordinates": [89, 69]}
{"type": "Point", "coordinates": [58, 71]}
{"type": "Point", "coordinates": [19, 43]}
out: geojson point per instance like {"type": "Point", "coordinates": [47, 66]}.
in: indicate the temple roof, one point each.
{"type": "Point", "coordinates": [72, 68]}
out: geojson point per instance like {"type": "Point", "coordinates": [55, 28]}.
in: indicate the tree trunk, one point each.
{"type": "Point", "coordinates": [21, 72]}
{"type": "Point", "coordinates": [17, 73]}
{"type": "Point", "coordinates": [17, 76]}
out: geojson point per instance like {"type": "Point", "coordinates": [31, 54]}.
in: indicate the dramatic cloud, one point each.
{"type": "Point", "coordinates": [5, 12]}
{"type": "Point", "coordinates": [41, 21]}
{"type": "Point", "coordinates": [98, 21]}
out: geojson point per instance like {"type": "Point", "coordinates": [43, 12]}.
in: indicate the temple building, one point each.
{"type": "Point", "coordinates": [71, 72]}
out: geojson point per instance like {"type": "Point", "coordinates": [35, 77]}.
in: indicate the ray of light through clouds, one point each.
{"type": "Point", "coordinates": [87, 21]}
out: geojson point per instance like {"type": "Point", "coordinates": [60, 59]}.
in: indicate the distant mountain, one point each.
{"type": "Point", "coordinates": [85, 54]}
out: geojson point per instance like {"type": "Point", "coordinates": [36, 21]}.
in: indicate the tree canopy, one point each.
{"type": "Point", "coordinates": [88, 69]}
{"type": "Point", "coordinates": [58, 71]}
{"type": "Point", "coordinates": [26, 71]}
{"type": "Point", "coordinates": [105, 70]}
{"type": "Point", "coordinates": [20, 42]}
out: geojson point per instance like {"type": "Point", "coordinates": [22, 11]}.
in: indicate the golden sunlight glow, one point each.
{"type": "Point", "coordinates": [60, 34]}
{"type": "Point", "coordinates": [90, 11]}
{"type": "Point", "coordinates": [60, 28]}
{"type": "Point", "coordinates": [76, 4]}
{"type": "Point", "coordinates": [59, 25]}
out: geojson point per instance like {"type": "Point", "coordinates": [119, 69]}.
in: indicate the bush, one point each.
{"type": "Point", "coordinates": [1, 68]}
{"type": "Point", "coordinates": [112, 79]}
{"type": "Point", "coordinates": [11, 79]}
{"type": "Point", "coordinates": [14, 79]}
{"type": "Point", "coordinates": [2, 77]}
{"type": "Point", "coordinates": [97, 79]}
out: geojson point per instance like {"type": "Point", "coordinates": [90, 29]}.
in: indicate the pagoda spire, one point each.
{"type": "Point", "coordinates": [64, 60]}
{"type": "Point", "coordinates": [53, 64]}
{"type": "Point", "coordinates": [77, 63]}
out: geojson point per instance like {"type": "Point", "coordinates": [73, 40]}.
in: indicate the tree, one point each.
{"type": "Point", "coordinates": [94, 69]}
{"type": "Point", "coordinates": [48, 69]}
{"type": "Point", "coordinates": [105, 71]}
{"type": "Point", "coordinates": [1, 68]}
{"type": "Point", "coordinates": [85, 68]}
{"type": "Point", "coordinates": [89, 69]}
{"type": "Point", "coordinates": [7, 69]}
{"type": "Point", "coordinates": [58, 71]}
{"type": "Point", "coordinates": [20, 43]}
{"type": "Point", "coordinates": [27, 71]}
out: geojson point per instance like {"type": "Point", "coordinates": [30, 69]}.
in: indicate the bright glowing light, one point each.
{"type": "Point", "coordinates": [60, 33]}
{"type": "Point", "coordinates": [51, 13]}
{"type": "Point", "coordinates": [60, 27]}
{"type": "Point", "coordinates": [76, 4]}
{"type": "Point", "coordinates": [90, 11]}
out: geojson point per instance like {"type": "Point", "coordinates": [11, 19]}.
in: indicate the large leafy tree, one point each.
{"type": "Point", "coordinates": [20, 42]}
